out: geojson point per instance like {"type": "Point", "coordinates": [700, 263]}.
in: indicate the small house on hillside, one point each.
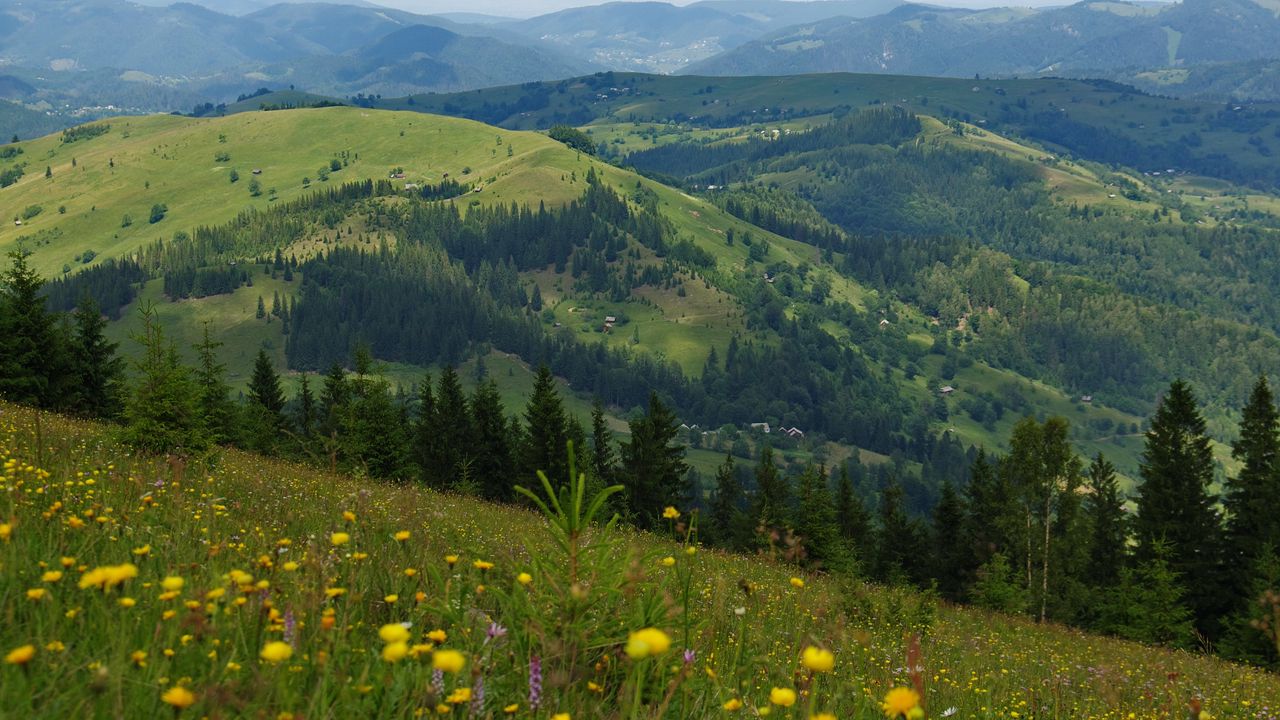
{"type": "Point", "coordinates": [761, 426]}
{"type": "Point", "coordinates": [947, 390]}
{"type": "Point", "coordinates": [1086, 399]}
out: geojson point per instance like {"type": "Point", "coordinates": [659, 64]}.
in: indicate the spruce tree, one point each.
{"type": "Point", "coordinates": [950, 555]}
{"type": "Point", "coordinates": [773, 495]}
{"type": "Point", "coordinates": [726, 519]}
{"type": "Point", "coordinates": [1108, 527]}
{"type": "Point", "coordinates": [853, 518]}
{"type": "Point", "coordinates": [374, 432]}
{"type": "Point", "coordinates": [217, 411]}
{"type": "Point", "coordinates": [489, 446]}
{"type": "Point", "coordinates": [1175, 511]}
{"type": "Point", "coordinates": [161, 414]}
{"type": "Point", "coordinates": [1252, 497]}
{"type": "Point", "coordinates": [97, 369]}
{"type": "Point", "coordinates": [545, 432]}
{"type": "Point", "coordinates": [426, 451]}
{"type": "Point", "coordinates": [1148, 605]}
{"type": "Point", "coordinates": [307, 411]}
{"type": "Point", "coordinates": [452, 430]}
{"type": "Point", "coordinates": [653, 465]}
{"type": "Point", "coordinates": [265, 390]}
{"type": "Point", "coordinates": [991, 512]}
{"type": "Point", "coordinates": [31, 357]}
{"type": "Point", "coordinates": [816, 523]}
{"type": "Point", "coordinates": [898, 549]}
{"type": "Point", "coordinates": [604, 461]}
{"type": "Point", "coordinates": [334, 395]}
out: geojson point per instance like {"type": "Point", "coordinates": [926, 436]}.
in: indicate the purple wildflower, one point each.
{"type": "Point", "coordinates": [689, 656]}
{"type": "Point", "coordinates": [494, 632]}
{"type": "Point", "coordinates": [437, 681]}
{"type": "Point", "coordinates": [477, 696]}
{"type": "Point", "coordinates": [290, 627]}
{"type": "Point", "coordinates": [535, 682]}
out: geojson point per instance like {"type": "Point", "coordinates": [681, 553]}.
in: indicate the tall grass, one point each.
{"type": "Point", "coordinates": [244, 587]}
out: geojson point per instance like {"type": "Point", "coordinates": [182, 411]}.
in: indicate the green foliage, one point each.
{"type": "Point", "coordinates": [33, 355]}
{"type": "Point", "coordinates": [1176, 515]}
{"type": "Point", "coordinates": [84, 132]}
{"type": "Point", "coordinates": [95, 365]}
{"type": "Point", "coordinates": [653, 466]}
{"type": "Point", "coordinates": [162, 415]}
{"type": "Point", "coordinates": [158, 212]}
{"type": "Point", "coordinates": [1149, 606]}
{"type": "Point", "coordinates": [998, 588]}
{"type": "Point", "coordinates": [573, 137]}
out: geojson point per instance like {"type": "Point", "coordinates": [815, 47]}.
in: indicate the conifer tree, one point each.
{"type": "Point", "coordinates": [1108, 528]}
{"type": "Point", "coordinates": [374, 431]}
{"type": "Point", "coordinates": [950, 555]}
{"type": "Point", "coordinates": [217, 411]}
{"type": "Point", "coordinates": [32, 358]}
{"type": "Point", "coordinates": [1148, 605]}
{"type": "Point", "coordinates": [816, 521]}
{"type": "Point", "coordinates": [161, 415]}
{"type": "Point", "coordinates": [604, 461]}
{"type": "Point", "coordinates": [426, 450]}
{"type": "Point", "coordinates": [307, 410]}
{"type": "Point", "coordinates": [1175, 511]}
{"type": "Point", "coordinates": [853, 518]}
{"type": "Point", "coordinates": [989, 515]}
{"type": "Point", "coordinates": [334, 394]}
{"type": "Point", "coordinates": [264, 388]}
{"type": "Point", "coordinates": [97, 369]}
{"type": "Point", "coordinates": [773, 495]}
{"type": "Point", "coordinates": [1252, 497]}
{"type": "Point", "coordinates": [545, 431]}
{"type": "Point", "coordinates": [452, 431]}
{"type": "Point", "coordinates": [898, 547]}
{"type": "Point", "coordinates": [490, 449]}
{"type": "Point", "coordinates": [726, 518]}
{"type": "Point", "coordinates": [653, 464]}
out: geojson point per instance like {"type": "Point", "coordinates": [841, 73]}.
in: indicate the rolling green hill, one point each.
{"type": "Point", "coordinates": [141, 162]}
{"type": "Point", "coordinates": [1093, 120]}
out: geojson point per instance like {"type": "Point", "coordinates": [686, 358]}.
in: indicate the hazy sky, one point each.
{"type": "Point", "coordinates": [529, 8]}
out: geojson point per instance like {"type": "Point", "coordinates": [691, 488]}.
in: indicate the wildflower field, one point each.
{"type": "Point", "coordinates": [244, 587]}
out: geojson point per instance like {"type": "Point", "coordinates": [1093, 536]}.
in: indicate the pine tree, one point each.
{"type": "Point", "coordinates": [604, 462]}
{"type": "Point", "coordinates": [1252, 497]}
{"type": "Point", "coordinates": [545, 431]}
{"type": "Point", "coordinates": [773, 495]}
{"type": "Point", "coordinates": [32, 358]}
{"type": "Point", "coordinates": [1252, 632]}
{"type": "Point", "coordinates": [161, 415]}
{"type": "Point", "coordinates": [653, 465]}
{"type": "Point", "coordinates": [853, 518]}
{"type": "Point", "coordinates": [334, 395]}
{"type": "Point", "coordinates": [990, 515]}
{"type": "Point", "coordinates": [490, 449]}
{"type": "Point", "coordinates": [426, 451]}
{"type": "Point", "coordinates": [950, 555]}
{"type": "Point", "coordinates": [452, 431]}
{"type": "Point", "coordinates": [264, 388]}
{"type": "Point", "coordinates": [307, 411]}
{"type": "Point", "coordinates": [1148, 605]}
{"type": "Point", "coordinates": [97, 368]}
{"type": "Point", "coordinates": [816, 521]}
{"type": "Point", "coordinates": [374, 431]}
{"type": "Point", "coordinates": [898, 550]}
{"type": "Point", "coordinates": [217, 411]}
{"type": "Point", "coordinates": [1174, 506]}
{"type": "Point", "coordinates": [1105, 517]}
{"type": "Point", "coordinates": [726, 518]}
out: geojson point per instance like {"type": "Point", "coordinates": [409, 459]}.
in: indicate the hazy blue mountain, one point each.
{"type": "Point", "coordinates": [660, 37]}
{"type": "Point", "coordinates": [923, 40]}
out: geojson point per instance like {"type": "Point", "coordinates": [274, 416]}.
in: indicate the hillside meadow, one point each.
{"type": "Point", "coordinates": [239, 586]}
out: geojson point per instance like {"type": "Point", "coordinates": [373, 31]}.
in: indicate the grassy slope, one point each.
{"type": "Point", "coordinates": [201, 524]}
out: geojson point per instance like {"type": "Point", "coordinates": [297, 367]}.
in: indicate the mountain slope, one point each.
{"type": "Point", "coordinates": [923, 40]}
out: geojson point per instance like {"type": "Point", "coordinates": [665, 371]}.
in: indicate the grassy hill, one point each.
{"type": "Point", "coordinates": [185, 164]}
{"type": "Point", "coordinates": [1094, 120]}
{"type": "Point", "coordinates": [217, 564]}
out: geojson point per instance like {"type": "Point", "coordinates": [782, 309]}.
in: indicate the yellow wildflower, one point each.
{"type": "Point", "coordinates": [797, 582]}
{"type": "Point", "coordinates": [670, 513]}
{"type": "Point", "coordinates": [173, 583]}
{"type": "Point", "coordinates": [179, 697]}
{"type": "Point", "coordinates": [783, 697]}
{"type": "Point", "coordinates": [900, 702]}
{"type": "Point", "coordinates": [394, 632]}
{"type": "Point", "coordinates": [450, 661]}
{"type": "Point", "coordinates": [732, 704]}
{"type": "Point", "coordinates": [275, 652]}
{"type": "Point", "coordinates": [20, 655]}
{"type": "Point", "coordinates": [817, 659]}
{"type": "Point", "coordinates": [649, 641]}
{"type": "Point", "coordinates": [51, 576]}
{"type": "Point", "coordinates": [395, 651]}
{"type": "Point", "coordinates": [339, 538]}
{"type": "Point", "coordinates": [402, 535]}
{"type": "Point", "coordinates": [482, 565]}
{"type": "Point", "coordinates": [524, 578]}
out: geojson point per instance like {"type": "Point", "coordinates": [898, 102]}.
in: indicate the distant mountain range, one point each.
{"type": "Point", "coordinates": [659, 37]}
{"type": "Point", "coordinates": [1081, 39]}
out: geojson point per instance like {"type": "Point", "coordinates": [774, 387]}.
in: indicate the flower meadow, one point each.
{"type": "Point", "coordinates": [239, 586]}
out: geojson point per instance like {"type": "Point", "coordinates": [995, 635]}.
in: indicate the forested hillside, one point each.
{"type": "Point", "coordinates": [909, 328]}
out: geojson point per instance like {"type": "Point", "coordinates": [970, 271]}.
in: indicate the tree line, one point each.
{"type": "Point", "coordinates": [1033, 531]}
